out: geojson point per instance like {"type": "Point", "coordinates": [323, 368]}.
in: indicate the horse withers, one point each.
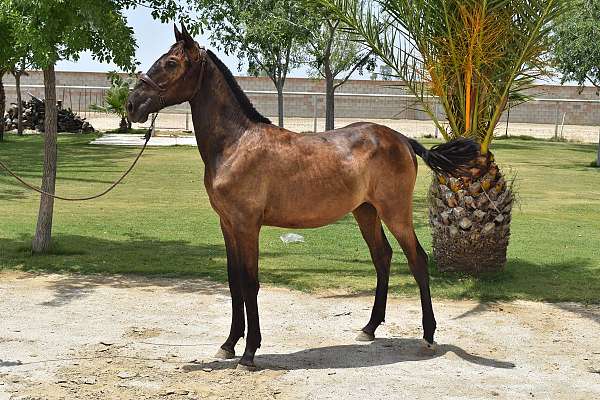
{"type": "Point", "coordinates": [257, 174]}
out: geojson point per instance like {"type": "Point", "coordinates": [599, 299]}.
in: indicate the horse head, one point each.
{"type": "Point", "coordinates": [173, 79]}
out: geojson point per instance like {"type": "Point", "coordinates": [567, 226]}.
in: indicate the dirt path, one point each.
{"type": "Point", "coordinates": [71, 337]}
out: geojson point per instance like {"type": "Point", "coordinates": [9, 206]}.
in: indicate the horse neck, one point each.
{"type": "Point", "coordinates": [218, 119]}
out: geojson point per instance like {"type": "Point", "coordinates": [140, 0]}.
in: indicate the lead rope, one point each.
{"type": "Point", "coordinates": [37, 189]}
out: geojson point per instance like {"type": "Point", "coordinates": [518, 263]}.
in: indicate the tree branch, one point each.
{"type": "Point", "coordinates": [353, 70]}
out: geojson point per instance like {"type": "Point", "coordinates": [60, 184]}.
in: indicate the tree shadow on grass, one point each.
{"type": "Point", "coordinates": [9, 194]}
{"type": "Point", "coordinates": [89, 262]}
{"type": "Point", "coordinates": [25, 157]}
{"type": "Point", "coordinates": [567, 281]}
{"type": "Point", "coordinates": [560, 283]}
{"type": "Point", "coordinates": [134, 261]}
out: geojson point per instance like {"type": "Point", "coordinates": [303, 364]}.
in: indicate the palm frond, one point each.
{"type": "Point", "coordinates": [476, 56]}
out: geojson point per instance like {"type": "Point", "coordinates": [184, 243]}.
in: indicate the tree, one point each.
{"type": "Point", "coordinates": [115, 101]}
{"type": "Point", "coordinates": [269, 34]}
{"type": "Point", "coordinates": [18, 71]}
{"type": "Point", "coordinates": [55, 30]}
{"type": "Point", "coordinates": [335, 55]}
{"type": "Point", "coordinates": [576, 50]}
{"type": "Point", "coordinates": [9, 53]}
{"type": "Point", "coordinates": [475, 57]}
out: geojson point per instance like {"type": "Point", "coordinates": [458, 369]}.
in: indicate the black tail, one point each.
{"type": "Point", "coordinates": [447, 158]}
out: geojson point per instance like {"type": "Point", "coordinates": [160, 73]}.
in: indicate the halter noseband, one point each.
{"type": "Point", "coordinates": [148, 81]}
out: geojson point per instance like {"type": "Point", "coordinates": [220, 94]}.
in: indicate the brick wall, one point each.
{"type": "Point", "coordinates": [577, 113]}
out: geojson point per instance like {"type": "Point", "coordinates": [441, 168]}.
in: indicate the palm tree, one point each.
{"type": "Point", "coordinates": [115, 101]}
{"type": "Point", "coordinates": [476, 57]}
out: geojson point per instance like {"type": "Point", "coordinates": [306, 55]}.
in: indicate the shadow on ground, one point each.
{"type": "Point", "coordinates": [126, 261]}
{"type": "Point", "coordinates": [380, 352]}
{"type": "Point", "coordinates": [89, 262]}
{"type": "Point", "coordinates": [25, 157]}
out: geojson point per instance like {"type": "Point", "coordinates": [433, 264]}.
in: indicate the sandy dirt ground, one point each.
{"type": "Point", "coordinates": [82, 337]}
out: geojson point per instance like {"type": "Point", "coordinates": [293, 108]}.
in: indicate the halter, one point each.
{"type": "Point", "coordinates": [148, 81]}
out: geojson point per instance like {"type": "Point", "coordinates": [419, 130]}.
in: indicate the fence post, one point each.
{"type": "Point", "coordinates": [187, 121]}
{"type": "Point", "coordinates": [556, 120]}
{"type": "Point", "coordinates": [562, 126]}
{"type": "Point", "coordinates": [315, 113]}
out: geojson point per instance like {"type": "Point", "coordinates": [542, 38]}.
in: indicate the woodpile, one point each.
{"type": "Point", "coordinates": [34, 113]}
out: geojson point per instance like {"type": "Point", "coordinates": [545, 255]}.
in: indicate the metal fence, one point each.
{"type": "Point", "coordinates": [550, 117]}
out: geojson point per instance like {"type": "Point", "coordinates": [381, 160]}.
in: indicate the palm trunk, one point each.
{"type": "Point", "coordinates": [329, 103]}
{"type": "Point", "coordinates": [470, 220]}
{"type": "Point", "coordinates": [280, 109]}
{"type": "Point", "coordinates": [19, 103]}
{"type": "Point", "coordinates": [2, 106]}
{"type": "Point", "coordinates": [43, 233]}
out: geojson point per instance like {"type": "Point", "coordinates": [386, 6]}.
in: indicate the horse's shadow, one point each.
{"type": "Point", "coordinates": [380, 352]}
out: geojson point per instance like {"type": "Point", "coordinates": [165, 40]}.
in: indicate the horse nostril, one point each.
{"type": "Point", "coordinates": [130, 106]}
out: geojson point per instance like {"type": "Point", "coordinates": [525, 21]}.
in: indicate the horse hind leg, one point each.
{"type": "Point", "coordinates": [381, 255]}
{"type": "Point", "coordinates": [402, 228]}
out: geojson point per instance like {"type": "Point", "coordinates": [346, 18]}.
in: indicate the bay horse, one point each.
{"type": "Point", "coordinates": [257, 174]}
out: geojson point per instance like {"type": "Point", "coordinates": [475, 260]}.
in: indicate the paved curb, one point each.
{"type": "Point", "coordinates": [135, 140]}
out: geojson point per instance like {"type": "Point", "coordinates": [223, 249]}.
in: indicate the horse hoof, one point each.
{"type": "Point", "coordinates": [427, 348]}
{"type": "Point", "coordinates": [223, 354]}
{"type": "Point", "coordinates": [247, 368]}
{"type": "Point", "coordinates": [365, 337]}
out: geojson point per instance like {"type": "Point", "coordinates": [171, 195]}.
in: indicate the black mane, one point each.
{"type": "Point", "coordinates": [239, 94]}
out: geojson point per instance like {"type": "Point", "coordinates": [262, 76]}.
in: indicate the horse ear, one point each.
{"type": "Point", "coordinates": [187, 38]}
{"type": "Point", "coordinates": [190, 44]}
{"type": "Point", "coordinates": [178, 35]}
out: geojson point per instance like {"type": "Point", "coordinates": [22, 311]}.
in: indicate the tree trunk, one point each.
{"type": "Point", "coordinates": [329, 103]}
{"type": "Point", "coordinates": [43, 233]}
{"type": "Point", "coordinates": [280, 109]}
{"type": "Point", "coordinates": [123, 125]}
{"type": "Point", "coordinates": [19, 103]}
{"type": "Point", "coordinates": [2, 106]}
{"type": "Point", "coordinates": [470, 222]}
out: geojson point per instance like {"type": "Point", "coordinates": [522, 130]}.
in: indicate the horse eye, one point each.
{"type": "Point", "coordinates": [171, 64]}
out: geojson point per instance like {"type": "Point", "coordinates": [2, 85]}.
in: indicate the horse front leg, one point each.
{"type": "Point", "coordinates": [247, 248]}
{"type": "Point", "coordinates": [227, 350]}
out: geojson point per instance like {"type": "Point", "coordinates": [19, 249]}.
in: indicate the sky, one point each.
{"type": "Point", "coordinates": [154, 39]}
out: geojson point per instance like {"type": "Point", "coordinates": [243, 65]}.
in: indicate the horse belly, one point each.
{"type": "Point", "coordinates": [311, 208]}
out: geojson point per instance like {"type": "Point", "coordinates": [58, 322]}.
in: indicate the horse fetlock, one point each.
{"type": "Point", "coordinates": [428, 348]}
{"type": "Point", "coordinates": [367, 334]}
{"type": "Point", "coordinates": [247, 362]}
{"type": "Point", "coordinates": [246, 367]}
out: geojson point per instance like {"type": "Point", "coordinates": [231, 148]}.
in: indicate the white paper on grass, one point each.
{"type": "Point", "coordinates": [292, 238]}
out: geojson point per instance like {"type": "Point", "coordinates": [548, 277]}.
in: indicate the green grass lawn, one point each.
{"type": "Point", "coordinates": [159, 222]}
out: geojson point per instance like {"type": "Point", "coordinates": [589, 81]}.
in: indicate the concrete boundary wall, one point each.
{"type": "Point", "coordinates": [78, 90]}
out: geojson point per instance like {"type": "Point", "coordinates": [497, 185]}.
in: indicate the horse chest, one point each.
{"type": "Point", "coordinates": [231, 196]}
